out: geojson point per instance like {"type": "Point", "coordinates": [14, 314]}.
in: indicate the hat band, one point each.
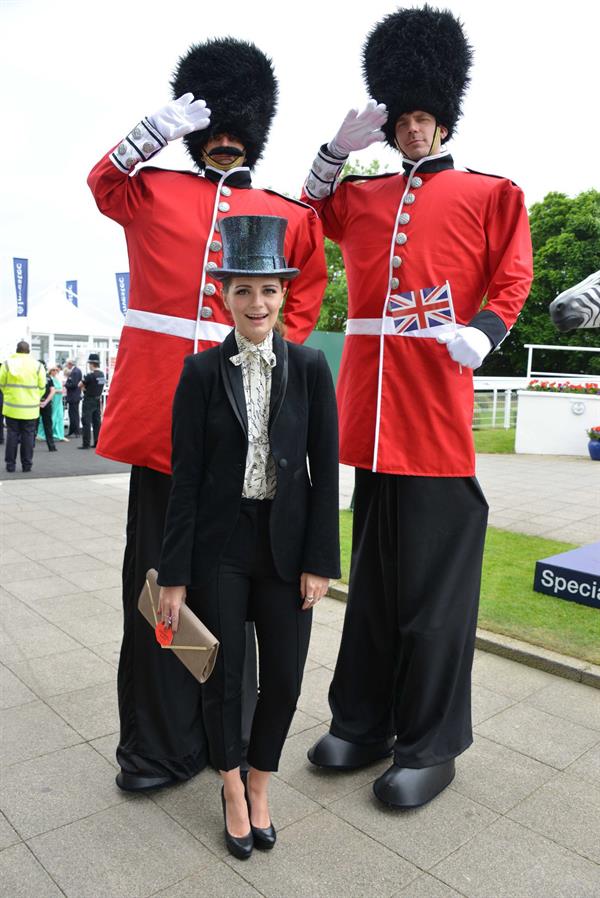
{"type": "Point", "coordinates": [255, 263]}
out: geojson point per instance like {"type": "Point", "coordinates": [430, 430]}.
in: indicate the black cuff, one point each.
{"type": "Point", "coordinates": [491, 325]}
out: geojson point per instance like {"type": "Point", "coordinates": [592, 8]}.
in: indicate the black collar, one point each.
{"type": "Point", "coordinates": [236, 177]}
{"type": "Point", "coordinates": [431, 167]}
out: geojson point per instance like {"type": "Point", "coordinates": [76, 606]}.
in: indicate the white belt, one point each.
{"type": "Point", "coordinates": [377, 326]}
{"type": "Point", "coordinates": [187, 328]}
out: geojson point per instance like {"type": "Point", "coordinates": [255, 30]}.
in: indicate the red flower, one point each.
{"type": "Point", "coordinates": [164, 634]}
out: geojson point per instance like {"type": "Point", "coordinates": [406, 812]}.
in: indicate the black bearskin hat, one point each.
{"type": "Point", "coordinates": [418, 59]}
{"type": "Point", "coordinates": [238, 83]}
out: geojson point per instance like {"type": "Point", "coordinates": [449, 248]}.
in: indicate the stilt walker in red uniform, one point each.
{"type": "Point", "coordinates": [438, 264]}
{"type": "Point", "coordinates": [225, 98]}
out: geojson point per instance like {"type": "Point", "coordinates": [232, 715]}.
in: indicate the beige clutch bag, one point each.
{"type": "Point", "coordinates": [194, 644]}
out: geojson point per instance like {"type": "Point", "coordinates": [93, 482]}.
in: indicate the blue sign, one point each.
{"type": "Point", "coordinates": [573, 575]}
{"type": "Point", "coordinates": [123, 290]}
{"type": "Point", "coordinates": [20, 271]}
{"type": "Point", "coordinates": [72, 292]}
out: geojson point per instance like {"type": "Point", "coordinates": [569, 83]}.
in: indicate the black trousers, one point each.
{"type": "Point", "coordinates": [246, 584]}
{"type": "Point", "coordinates": [74, 425]}
{"type": "Point", "coordinates": [90, 418]}
{"type": "Point", "coordinates": [406, 655]}
{"type": "Point", "coordinates": [22, 432]}
{"type": "Point", "coordinates": [46, 416]}
{"type": "Point", "coordinates": [160, 706]}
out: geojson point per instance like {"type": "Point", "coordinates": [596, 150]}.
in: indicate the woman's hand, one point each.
{"type": "Point", "coordinates": [312, 589]}
{"type": "Point", "coordinates": [170, 600]}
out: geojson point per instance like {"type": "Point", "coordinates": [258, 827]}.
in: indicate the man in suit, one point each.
{"type": "Point", "coordinates": [226, 95]}
{"type": "Point", "coordinates": [73, 377]}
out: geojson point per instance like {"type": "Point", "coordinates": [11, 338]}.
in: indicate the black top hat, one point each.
{"type": "Point", "coordinates": [238, 83]}
{"type": "Point", "coordinates": [94, 357]}
{"type": "Point", "coordinates": [418, 59]}
{"type": "Point", "coordinates": [253, 247]}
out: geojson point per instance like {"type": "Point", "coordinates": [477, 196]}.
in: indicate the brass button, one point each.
{"type": "Point", "coordinates": [404, 218]}
{"type": "Point", "coordinates": [210, 289]}
{"type": "Point", "coordinates": [225, 190]}
{"type": "Point", "coordinates": [396, 262]}
{"type": "Point", "coordinates": [215, 246]}
{"type": "Point", "coordinates": [409, 199]}
{"type": "Point", "coordinates": [401, 238]}
{"type": "Point", "coordinates": [416, 181]}
{"type": "Point", "coordinates": [223, 207]}
{"type": "Point", "coordinates": [206, 312]}
{"type": "Point", "coordinates": [394, 283]}
{"type": "Point", "coordinates": [210, 266]}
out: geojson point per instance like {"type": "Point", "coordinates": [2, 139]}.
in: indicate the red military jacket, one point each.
{"type": "Point", "coordinates": [405, 406]}
{"type": "Point", "coordinates": [171, 221]}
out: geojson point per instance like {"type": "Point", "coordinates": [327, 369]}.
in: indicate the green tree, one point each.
{"type": "Point", "coordinates": [565, 233]}
{"type": "Point", "coordinates": [334, 310]}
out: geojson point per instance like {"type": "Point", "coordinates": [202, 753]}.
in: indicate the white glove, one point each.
{"type": "Point", "coordinates": [360, 129]}
{"type": "Point", "coordinates": [180, 117]}
{"type": "Point", "coordinates": [468, 346]}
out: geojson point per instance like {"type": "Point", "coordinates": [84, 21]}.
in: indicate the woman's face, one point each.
{"type": "Point", "coordinates": [254, 303]}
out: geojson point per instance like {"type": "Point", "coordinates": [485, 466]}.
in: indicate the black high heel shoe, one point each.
{"type": "Point", "coordinates": [238, 846]}
{"type": "Point", "coordinates": [264, 839]}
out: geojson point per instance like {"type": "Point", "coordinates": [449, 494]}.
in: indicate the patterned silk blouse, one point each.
{"type": "Point", "coordinates": [256, 360]}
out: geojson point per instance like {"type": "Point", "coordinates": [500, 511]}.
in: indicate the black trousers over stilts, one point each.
{"type": "Point", "coordinates": [160, 708]}
{"type": "Point", "coordinates": [405, 660]}
{"type": "Point", "coordinates": [246, 584]}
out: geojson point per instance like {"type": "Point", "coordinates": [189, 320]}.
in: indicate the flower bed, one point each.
{"type": "Point", "coordinates": [553, 386]}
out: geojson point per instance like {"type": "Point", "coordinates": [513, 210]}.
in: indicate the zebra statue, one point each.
{"type": "Point", "coordinates": [579, 306]}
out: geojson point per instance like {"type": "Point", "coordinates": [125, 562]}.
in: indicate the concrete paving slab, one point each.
{"type": "Point", "coordinates": [109, 651]}
{"type": "Point", "coordinates": [46, 547]}
{"type": "Point", "coordinates": [427, 886]}
{"type": "Point", "coordinates": [113, 596]}
{"type": "Point", "coordinates": [485, 703]}
{"type": "Point", "coordinates": [13, 692]}
{"type": "Point", "coordinates": [76, 563]}
{"type": "Point", "coordinates": [64, 672]}
{"type": "Point", "coordinates": [22, 876]}
{"type": "Point", "coordinates": [94, 580]}
{"type": "Point", "coordinates": [94, 630]}
{"type": "Point", "coordinates": [33, 730]}
{"type": "Point", "coordinates": [573, 701]}
{"type": "Point", "coordinates": [128, 851]}
{"type": "Point", "coordinates": [566, 810]}
{"type": "Point", "coordinates": [329, 612]}
{"type": "Point", "coordinates": [322, 786]}
{"type": "Point", "coordinates": [20, 641]}
{"type": "Point", "coordinates": [50, 585]}
{"type": "Point", "coordinates": [107, 746]}
{"type": "Point", "coordinates": [496, 776]}
{"type": "Point", "coordinates": [11, 572]}
{"type": "Point", "coordinates": [303, 863]}
{"type": "Point", "coordinates": [507, 678]}
{"type": "Point", "coordinates": [48, 792]}
{"type": "Point", "coordinates": [11, 556]}
{"type": "Point", "coordinates": [301, 722]}
{"type": "Point", "coordinates": [196, 805]}
{"type": "Point", "coordinates": [92, 712]}
{"type": "Point", "coordinates": [58, 609]}
{"type": "Point", "coordinates": [508, 860]}
{"type": "Point", "coordinates": [7, 834]}
{"type": "Point", "coordinates": [215, 880]}
{"type": "Point", "coordinates": [324, 644]}
{"type": "Point", "coordinates": [587, 766]}
{"type": "Point", "coordinates": [424, 836]}
{"type": "Point", "coordinates": [542, 736]}
{"type": "Point", "coordinates": [315, 687]}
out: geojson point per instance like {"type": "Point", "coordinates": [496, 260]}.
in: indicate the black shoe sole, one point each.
{"type": "Point", "coordinates": [130, 782]}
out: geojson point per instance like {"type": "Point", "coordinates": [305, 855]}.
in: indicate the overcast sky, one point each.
{"type": "Point", "coordinates": [76, 76]}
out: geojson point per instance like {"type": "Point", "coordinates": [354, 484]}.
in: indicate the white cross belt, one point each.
{"type": "Point", "coordinates": [186, 328]}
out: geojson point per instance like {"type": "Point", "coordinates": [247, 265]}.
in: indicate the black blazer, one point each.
{"type": "Point", "coordinates": [210, 441]}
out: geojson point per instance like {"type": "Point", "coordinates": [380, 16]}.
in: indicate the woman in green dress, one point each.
{"type": "Point", "coordinates": [58, 413]}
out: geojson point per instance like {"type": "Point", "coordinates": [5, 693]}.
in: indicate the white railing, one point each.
{"type": "Point", "coordinates": [530, 347]}
{"type": "Point", "coordinates": [495, 401]}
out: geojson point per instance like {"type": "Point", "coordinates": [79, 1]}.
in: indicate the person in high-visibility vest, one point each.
{"type": "Point", "coordinates": [22, 381]}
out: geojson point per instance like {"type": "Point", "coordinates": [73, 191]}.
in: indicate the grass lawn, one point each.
{"type": "Point", "coordinates": [497, 440]}
{"type": "Point", "coordinates": [508, 603]}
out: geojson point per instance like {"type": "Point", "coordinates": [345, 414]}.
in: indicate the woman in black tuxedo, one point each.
{"type": "Point", "coordinates": [250, 533]}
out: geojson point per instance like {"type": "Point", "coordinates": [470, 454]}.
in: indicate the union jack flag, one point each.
{"type": "Point", "coordinates": [420, 309]}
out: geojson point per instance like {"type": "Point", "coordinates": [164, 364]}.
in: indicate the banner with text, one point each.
{"type": "Point", "coordinates": [20, 271]}
{"type": "Point", "coordinates": [72, 292]}
{"type": "Point", "coordinates": [123, 289]}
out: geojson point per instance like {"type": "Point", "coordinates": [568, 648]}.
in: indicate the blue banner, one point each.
{"type": "Point", "coordinates": [123, 289]}
{"type": "Point", "coordinates": [72, 292]}
{"type": "Point", "coordinates": [20, 271]}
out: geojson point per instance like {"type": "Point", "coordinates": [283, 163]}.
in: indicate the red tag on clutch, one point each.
{"type": "Point", "coordinates": [164, 634]}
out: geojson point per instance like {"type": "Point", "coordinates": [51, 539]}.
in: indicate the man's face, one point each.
{"type": "Point", "coordinates": [416, 134]}
{"type": "Point", "coordinates": [224, 140]}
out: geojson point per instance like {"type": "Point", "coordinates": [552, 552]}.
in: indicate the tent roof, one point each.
{"type": "Point", "coordinates": [51, 313]}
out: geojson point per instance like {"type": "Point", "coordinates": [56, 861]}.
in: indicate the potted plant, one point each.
{"type": "Point", "coordinates": [594, 443]}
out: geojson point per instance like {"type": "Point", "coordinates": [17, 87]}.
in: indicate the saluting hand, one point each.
{"type": "Point", "coordinates": [360, 129]}
{"type": "Point", "coordinates": [181, 117]}
{"type": "Point", "coordinates": [170, 600]}
{"type": "Point", "coordinates": [312, 589]}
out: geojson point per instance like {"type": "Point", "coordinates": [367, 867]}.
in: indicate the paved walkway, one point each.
{"type": "Point", "coordinates": [521, 820]}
